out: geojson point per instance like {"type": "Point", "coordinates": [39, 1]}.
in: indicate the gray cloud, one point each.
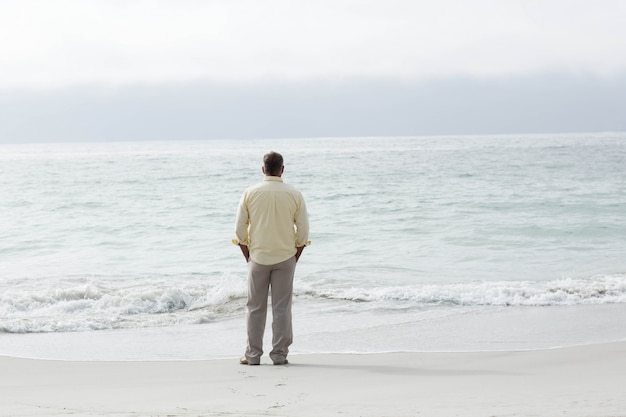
{"type": "Point", "coordinates": [367, 107]}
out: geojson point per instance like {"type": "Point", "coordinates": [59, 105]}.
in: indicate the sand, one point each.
{"type": "Point", "coordinates": [576, 381]}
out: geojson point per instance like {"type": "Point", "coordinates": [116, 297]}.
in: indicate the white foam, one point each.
{"type": "Point", "coordinates": [95, 305]}
{"type": "Point", "coordinates": [603, 289]}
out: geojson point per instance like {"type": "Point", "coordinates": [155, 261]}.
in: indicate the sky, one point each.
{"type": "Point", "coordinates": [88, 70]}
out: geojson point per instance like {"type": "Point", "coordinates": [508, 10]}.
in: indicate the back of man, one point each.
{"type": "Point", "coordinates": [273, 209]}
{"type": "Point", "coordinates": [272, 230]}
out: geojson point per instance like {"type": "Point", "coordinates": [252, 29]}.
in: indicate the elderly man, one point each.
{"type": "Point", "coordinates": [272, 229]}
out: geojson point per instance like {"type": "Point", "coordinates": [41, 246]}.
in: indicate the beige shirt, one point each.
{"type": "Point", "coordinates": [272, 221]}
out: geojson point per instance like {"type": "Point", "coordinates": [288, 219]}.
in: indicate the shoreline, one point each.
{"type": "Point", "coordinates": [580, 381]}
{"type": "Point", "coordinates": [466, 330]}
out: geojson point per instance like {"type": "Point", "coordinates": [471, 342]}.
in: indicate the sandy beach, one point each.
{"type": "Point", "coordinates": [575, 381]}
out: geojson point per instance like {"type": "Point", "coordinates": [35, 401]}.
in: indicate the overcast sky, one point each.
{"type": "Point", "coordinates": [176, 69]}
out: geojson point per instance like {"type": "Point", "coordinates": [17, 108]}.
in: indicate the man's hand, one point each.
{"type": "Point", "coordinates": [299, 252]}
{"type": "Point", "coordinates": [245, 252]}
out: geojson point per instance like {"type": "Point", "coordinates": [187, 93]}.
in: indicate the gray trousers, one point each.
{"type": "Point", "coordinates": [262, 278]}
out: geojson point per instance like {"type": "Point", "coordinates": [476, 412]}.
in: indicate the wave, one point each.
{"type": "Point", "coordinates": [604, 289]}
{"type": "Point", "coordinates": [94, 305]}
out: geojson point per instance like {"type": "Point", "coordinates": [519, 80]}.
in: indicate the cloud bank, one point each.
{"type": "Point", "coordinates": [193, 69]}
{"type": "Point", "coordinates": [296, 109]}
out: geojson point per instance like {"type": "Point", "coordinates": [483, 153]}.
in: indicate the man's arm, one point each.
{"type": "Point", "coordinates": [301, 221]}
{"type": "Point", "coordinates": [241, 228]}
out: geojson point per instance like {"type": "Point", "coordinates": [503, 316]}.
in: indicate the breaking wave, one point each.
{"type": "Point", "coordinates": [603, 289]}
{"type": "Point", "coordinates": [92, 305]}
{"type": "Point", "coordinates": [95, 306]}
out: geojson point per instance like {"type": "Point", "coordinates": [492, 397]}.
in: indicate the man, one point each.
{"type": "Point", "coordinates": [272, 229]}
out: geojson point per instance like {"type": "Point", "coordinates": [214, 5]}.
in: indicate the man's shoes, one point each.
{"type": "Point", "coordinates": [245, 361]}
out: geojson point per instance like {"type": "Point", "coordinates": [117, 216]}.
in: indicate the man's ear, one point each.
{"type": "Point", "coordinates": [282, 170]}
{"type": "Point", "coordinates": [263, 169]}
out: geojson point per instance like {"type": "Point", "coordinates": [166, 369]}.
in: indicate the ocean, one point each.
{"type": "Point", "coordinates": [122, 250]}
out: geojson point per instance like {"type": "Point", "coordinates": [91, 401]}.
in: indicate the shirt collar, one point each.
{"type": "Point", "coordinates": [272, 178]}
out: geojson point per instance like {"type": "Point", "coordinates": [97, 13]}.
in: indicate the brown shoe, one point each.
{"type": "Point", "coordinates": [283, 362]}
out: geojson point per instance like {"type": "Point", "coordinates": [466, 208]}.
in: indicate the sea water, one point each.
{"type": "Point", "coordinates": [122, 250]}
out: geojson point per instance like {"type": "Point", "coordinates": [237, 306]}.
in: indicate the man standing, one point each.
{"type": "Point", "coordinates": [272, 229]}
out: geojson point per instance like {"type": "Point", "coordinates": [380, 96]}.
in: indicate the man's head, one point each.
{"type": "Point", "coordinates": [273, 164]}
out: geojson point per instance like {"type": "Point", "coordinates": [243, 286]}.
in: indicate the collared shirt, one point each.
{"type": "Point", "coordinates": [272, 221]}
